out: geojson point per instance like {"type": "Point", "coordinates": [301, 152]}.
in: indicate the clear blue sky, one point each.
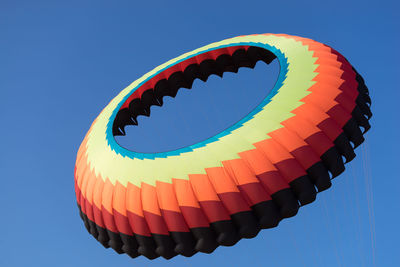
{"type": "Point", "coordinates": [61, 62]}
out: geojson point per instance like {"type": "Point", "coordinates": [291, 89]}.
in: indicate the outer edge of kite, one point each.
{"type": "Point", "coordinates": [234, 216]}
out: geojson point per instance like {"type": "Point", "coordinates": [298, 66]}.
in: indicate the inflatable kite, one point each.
{"type": "Point", "coordinates": [247, 177]}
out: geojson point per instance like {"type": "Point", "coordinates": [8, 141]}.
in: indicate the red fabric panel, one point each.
{"type": "Point", "coordinates": [175, 221]}
{"type": "Point", "coordinates": [138, 224]}
{"type": "Point", "coordinates": [254, 193]}
{"type": "Point", "coordinates": [156, 223]}
{"type": "Point", "coordinates": [108, 219]}
{"type": "Point", "coordinates": [234, 202]}
{"type": "Point", "coordinates": [194, 217]}
{"type": "Point", "coordinates": [214, 211]}
{"type": "Point", "coordinates": [272, 181]}
{"type": "Point", "coordinates": [122, 223]}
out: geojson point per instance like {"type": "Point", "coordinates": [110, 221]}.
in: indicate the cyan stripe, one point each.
{"type": "Point", "coordinates": [131, 154]}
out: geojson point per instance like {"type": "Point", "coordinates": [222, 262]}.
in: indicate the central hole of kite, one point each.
{"type": "Point", "coordinates": [205, 110]}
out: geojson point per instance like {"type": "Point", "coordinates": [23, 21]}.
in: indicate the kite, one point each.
{"type": "Point", "coordinates": [246, 178]}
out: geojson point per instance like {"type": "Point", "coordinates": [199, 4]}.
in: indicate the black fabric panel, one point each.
{"type": "Point", "coordinates": [366, 99]}
{"type": "Point", "coordinates": [206, 239]}
{"type": "Point", "coordinates": [267, 213]}
{"type": "Point", "coordinates": [353, 132]}
{"type": "Point", "coordinates": [161, 89]}
{"type": "Point", "coordinates": [246, 223]}
{"type": "Point", "coordinates": [304, 189]}
{"type": "Point", "coordinates": [149, 99]}
{"type": "Point", "coordinates": [319, 176]}
{"type": "Point", "coordinates": [178, 80]}
{"type": "Point", "coordinates": [208, 67]}
{"type": "Point", "coordinates": [137, 108]}
{"type": "Point", "coordinates": [227, 234]}
{"type": "Point", "coordinates": [241, 59]}
{"type": "Point", "coordinates": [226, 63]}
{"type": "Point", "coordinates": [333, 161]}
{"type": "Point", "coordinates": [93, 229]}
{"type": "Point", "coordinates": [362, 104]}
{"type": "Point", "coordinates": [103, 237]}
{"type": "Point", "coordinates": [287, 202]}
{"type": "Point", "coordinates": [185, 243]}
{"type": "Point", "coordinates": [165, 246]}
{"type": "Point", "coordinates": [344, 147]}
{"type": "Point", "coordinates": [147, 246]}
{"type": "Point", "coordinates": [360, 119]}
{"type": "Point", "coordinates": [115, 241]}
{"type": "Point", "coordinates": [130, 245]}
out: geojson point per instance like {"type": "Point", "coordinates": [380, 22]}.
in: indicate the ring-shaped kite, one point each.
{"type": "Point", "coordinates": [247, 177]}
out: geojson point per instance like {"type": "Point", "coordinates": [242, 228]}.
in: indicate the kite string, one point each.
{"type": "Point", "coordinates": [338, 230]}
{"type": "Point", "coordinates": [358, 214]}
{"type": "Point", "coordinates": [331, 230]}
{"type": "Point", "coordinates": [355, 211]}
{"type": "Point", "coordinates": [297, 247]}
{"type": "Point", "coordinates": [369, 195]}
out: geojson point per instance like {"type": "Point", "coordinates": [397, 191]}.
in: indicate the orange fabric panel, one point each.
{"type": "Point", "coordinates": [327, 79]}
{"type": "Point", "coordinates": [166, 197]}
{"type": "Point", "coordinates": [119, 198]}
{"type": "Point", "coordinates": [239, 171]}
{"type": "Point", "coordinates": [82, 165]}
{"type": "Point", "coordinates": [305, 115]}
{"type": "Point", "coordinates": [257, 161]}
{"type": "Point", "coordinates": [98, 192]}
{"type": "Point", "coordinates": [184, 193]}
{"type": "Point", "coordinates": [328, 91]}
{"type": "Point", "coordinates": [273, 151]}
{"type": "Point", "coordinates": [149, 199]}
{"type": "Point", "coordinates": [84, 182]}
{"type": "Point", "coordinates": [134, 199]}
{"type": "Point", "coordinates": [302, 127]}
{"type": "Point", "coordinates": [227, 191]}
{"type": "Point", "coordinates": [329, 70]}
{"type": "Point", "coordinates": [306, 130]}
{"type": "Point", "coordinates": [332, 93]}
{"type": "Point", "coordinates": [306, 120]}
{"type": "Point", "coordinates": [287, 165]}
{"type": "Point", "coordinates": [107, 196]}
{"type": "Point", "coordinates": [77, 192]}
{"type": "Point", "coordinates": [288, 139]}
{"type": "Point", "coordinates": [90, 188]}
{"type": "Point", "coordinates": [315, 46]}
{"type": "Point", "coordinates": [321, 101]}
{"type": "Point", "coordinates": [80, 176]}
{"type": "Point", "coordinates": [296, 146]}
{"type": "Point", "coordinates": [202, 187]}
{"type": "Point", "coordinates": [329, 59]}
{"type": "Point", "coordinates": [81, 151]}
{"type": "Point", "coordinates": [248, 184]}
{"type": "Point", "coordinates": [267, 174]}
{"type": "Point", "coordinates": [220, 180]}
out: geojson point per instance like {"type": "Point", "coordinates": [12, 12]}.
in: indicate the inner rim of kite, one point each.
{"type": "Point", "coordinates": [168, 81]}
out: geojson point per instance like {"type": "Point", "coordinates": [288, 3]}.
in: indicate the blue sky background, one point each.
{"type": "Point", "coordinates": [61, 62]}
